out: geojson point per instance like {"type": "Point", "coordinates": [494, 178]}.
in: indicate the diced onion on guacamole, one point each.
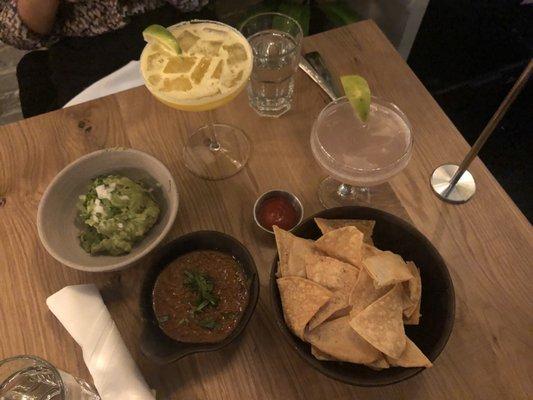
{"type": "Point", "coordinates": [118, 213]}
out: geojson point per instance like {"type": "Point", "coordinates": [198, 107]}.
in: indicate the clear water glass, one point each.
{"type": "Point", "coordinates": [32, 378]}
{"type": "Point", "coordinates": [276, 41]}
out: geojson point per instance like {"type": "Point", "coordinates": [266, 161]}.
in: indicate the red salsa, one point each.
{"type": "Point", "coordinates": [277, 210]}
{"type": "Point", "coordinates": [200, 297]}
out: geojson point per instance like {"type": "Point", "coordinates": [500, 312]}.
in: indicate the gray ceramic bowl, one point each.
{"type": "Point", "coordinates": [57, 221]}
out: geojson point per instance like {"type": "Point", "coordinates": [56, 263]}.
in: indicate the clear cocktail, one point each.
{"type": "Point", "coordinates": [358, 155]}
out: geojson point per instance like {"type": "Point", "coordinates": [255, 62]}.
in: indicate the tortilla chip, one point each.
{"type": "Point", "coordinates": [283, 243]}
{"type": "Point", "coordinates": [344, 244]}
{"type": "Point", "coordinates": [337, 306]}
{"type": "Point", "coordinates": [335, 275]}
{"type": "Point", "coordinates": [414, 319]}
{"type": "Point", "coordinates": [320, 355]}
{"type": "Point", "coordinates": [343, 312]}
{"type": "Point", "coordinates": [387, 268]}
{"type": "Point", "coordinates": [292, 252]}
{"type": "Point", "coordinates": [369, 250]}
{"type": "Point", "coordinates": [338, 340]}
{"type": "Point", "coordinates": [412, 296]}
{"type": "Point", "coordinates": [301, 249]}
{"type": "Point", "coordinates": [412, 356]}
{"type": "Point", "coordinates": [379, 364]}
{"type": "Point", "coordinates": [330, 272]}
{"type": "Point", "coordinates": [364, 293]}
{"type": "Point", "coordinates": [364, 225]}
{"type": "Point", "coordinates": [381, 323]}
{"type": "Point", "coordinates": [301, 299]}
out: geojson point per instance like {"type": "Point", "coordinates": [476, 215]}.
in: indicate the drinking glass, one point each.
{"type": "Point", "coordinates": [32, 378]}
{"type": "Point", "coordinates": [359, 157]}
{"type": "Point", "coordinates": [276, 41]}
{"type": "Point", "coordinates": [213, 68]}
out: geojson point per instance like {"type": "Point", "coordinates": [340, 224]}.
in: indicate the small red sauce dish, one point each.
{"type": "Point", "coordinates": [278, 207]}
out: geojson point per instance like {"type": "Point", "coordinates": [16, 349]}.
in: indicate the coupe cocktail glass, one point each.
{"type": "Point", "coordinates": [214, 67]}
{"type": "Point", "coordinates": [359, 157]}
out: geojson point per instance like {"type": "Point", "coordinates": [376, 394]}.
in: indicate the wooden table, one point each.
{"type": "Point", "coordinates": [487, 243]}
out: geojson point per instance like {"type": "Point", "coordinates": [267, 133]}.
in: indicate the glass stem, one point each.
{"type": "Point", "coordinates": [357, 192]}
{"type": "Point", "coordinates": [345, 190]}
{"type": "Point", "coordinates": [214, 145]}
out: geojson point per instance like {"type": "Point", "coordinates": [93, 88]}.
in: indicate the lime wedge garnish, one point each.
{"type": "Point", "coordinates": [358, 93]}
{"type": "Point", "coordinates": [161, 35]}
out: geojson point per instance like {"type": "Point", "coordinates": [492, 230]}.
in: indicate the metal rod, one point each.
{"type": "Point", "coordinates": [317, 62]}
{"type": "Point", "coordinates": [319, 79]}
{"type": "Point", "coordinates": [491, 125]}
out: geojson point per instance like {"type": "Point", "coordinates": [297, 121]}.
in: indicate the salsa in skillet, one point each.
{"type": "Point", "coordinates": [200, 297]}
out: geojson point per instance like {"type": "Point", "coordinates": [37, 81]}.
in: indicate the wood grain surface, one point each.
{"type": "Point", "coordinates": [487, 243]}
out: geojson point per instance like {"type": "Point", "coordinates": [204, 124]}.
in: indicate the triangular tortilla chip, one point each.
{"type": "Point", "coordinates": [379, 364]}
{"type": "Point", "coordinates": [330, 272]}
{"type": "Point", "coordinates": [412, 356]}
{"type": "Point", "coordinates": [336, 306]}
{"type": "Point", "coordinates": [292, 252]}
{"type": "Point", "coordinates": [320, 355]}
{"type": "Point", "coordinates": [335, 275]}
{"type": "Point", "coordinates": [338, 340]}
{"type": "Point", "coordinates": [364, 293]}
{"type": "Point", "coordinates": [344, 244]}
{"type": "Point", "coordinates": [412, 296]}
{"type": "Point", "coordinates": [414, 319]}
{"type": "Point", "coordinates": [381, 324]}
{"type": "Point", "coordinates": [301, 299]}
{"type": "Point", "coordinates": [301, 249]}
{"type": "Point", "coordinates": [369, 250]}
{"type": "Point", "coordinates": [283, 243]}
{"type": "Point", "coordinates": [364, 225]}
{"type": "Point", "coordinates": [387, 268]}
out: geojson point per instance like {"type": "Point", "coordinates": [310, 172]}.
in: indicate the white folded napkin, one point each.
{"type": "Point", "coordinates": [127, 77]}
{"type": "Point", "coordinates": [84, 315]}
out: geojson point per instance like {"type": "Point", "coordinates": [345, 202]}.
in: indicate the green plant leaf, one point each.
{"type": "Point", "coordinates": [209, 323]}
{"type": "Point", "coordinates": [202, 285]}
{"type": "Point", "coordinates": [262, 7]}
{"type": "Point", "coordinates": [300, 12]}
{"type": "Point", "coordinates": [339, 13]}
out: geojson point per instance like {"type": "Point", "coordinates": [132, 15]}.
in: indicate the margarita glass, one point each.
{"type": "Point", "coordinates": [359, 156]}
{"type": "Point", "coordinates": [213, 68]}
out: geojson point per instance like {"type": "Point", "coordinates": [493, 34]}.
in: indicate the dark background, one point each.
{"type": "Point", "coordinates": [468, 53]}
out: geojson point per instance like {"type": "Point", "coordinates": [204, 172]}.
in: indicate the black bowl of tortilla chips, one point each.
{"type": "Point", "coordinates": [427, 329]}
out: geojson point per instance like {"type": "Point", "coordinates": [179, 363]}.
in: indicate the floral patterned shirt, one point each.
{"type": "Point", "coordinates": [80, 18]}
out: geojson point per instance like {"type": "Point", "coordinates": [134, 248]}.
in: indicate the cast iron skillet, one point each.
{"type": "Point", "coordinates": [438, 299]}
{"type": "Point", "coordinates": [154, 343]}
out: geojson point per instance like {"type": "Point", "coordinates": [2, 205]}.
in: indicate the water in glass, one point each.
{"type": "Point", "coordinates": [41, 382]}
{"type": "Point", "coordinates": [276, 57]}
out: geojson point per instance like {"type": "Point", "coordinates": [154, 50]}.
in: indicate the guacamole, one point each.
{"type": "Point", "coordinates": [118, 213]}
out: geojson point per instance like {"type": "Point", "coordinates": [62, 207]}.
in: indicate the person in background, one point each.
{"type": "Point", "coordinates": [77, 42]}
